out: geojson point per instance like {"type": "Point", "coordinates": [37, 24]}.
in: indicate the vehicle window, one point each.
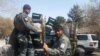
{"type": "Point", "coordinates": [94, 37]}
{"type": "Point", "coordinates": [82, 37]}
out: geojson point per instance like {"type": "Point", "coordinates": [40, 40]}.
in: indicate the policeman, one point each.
{"type": "Point", "coordinates": [61, 46]}
{"type": "Point", "coordinates": [23, 25]}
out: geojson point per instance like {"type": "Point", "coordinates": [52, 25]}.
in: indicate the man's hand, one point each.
{"type": "Point", "coordinates": [45, 46]}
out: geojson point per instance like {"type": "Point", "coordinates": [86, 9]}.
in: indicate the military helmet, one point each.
{"type": "Point", "coordinates": [26, 6]}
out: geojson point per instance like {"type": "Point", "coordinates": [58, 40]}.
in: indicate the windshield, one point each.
{"type": "Point", "coordinates": [94, 37]}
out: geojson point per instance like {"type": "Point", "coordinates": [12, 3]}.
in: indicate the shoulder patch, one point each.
{"type": "Point", "coordinates": [26, 19]}
{"type": "Point", "coordinates": [62, 45]}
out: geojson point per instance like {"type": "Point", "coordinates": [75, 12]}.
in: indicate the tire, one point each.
{"type": "Point", "coordinates": [89, 52]}
{"type": "Point", "coordinates": [80, 51]}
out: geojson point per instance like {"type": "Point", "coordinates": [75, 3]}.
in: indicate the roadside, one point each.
{"type": "Point", "coordinates": [2, 42]}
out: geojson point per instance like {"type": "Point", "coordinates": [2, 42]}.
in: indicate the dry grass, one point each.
{"type": "Point", "coordinates": [6, 26]}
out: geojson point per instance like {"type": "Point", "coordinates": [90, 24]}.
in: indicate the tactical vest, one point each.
{"type": "Point", "coordinates": [18, 22]}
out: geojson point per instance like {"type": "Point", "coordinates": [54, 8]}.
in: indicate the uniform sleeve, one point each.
{"type": "Point", "coordinates": [60, 50]}
{"type": "Point", "coordinates": [27, 24]}
{"type": "Point", "coordinates": [13, 40]}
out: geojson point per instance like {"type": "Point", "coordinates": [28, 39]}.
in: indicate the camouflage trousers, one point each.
{"type": "Point", "coordinates": [25, 45]}
{"type": "Point", "coordinates": [26, 52]}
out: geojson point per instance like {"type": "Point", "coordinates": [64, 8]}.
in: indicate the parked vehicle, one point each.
{"type": "Point", "coordinates": [88, 42]}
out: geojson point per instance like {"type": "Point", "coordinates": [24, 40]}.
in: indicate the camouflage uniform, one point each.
{"type": "Point", "coordinates": [61, 47]}
{"type": "Point", "coordinates": [22, 36]}
{"type": "Point", "coordinates": [13, 41]}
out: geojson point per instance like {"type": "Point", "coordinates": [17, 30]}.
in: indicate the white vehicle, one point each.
{"type": "Point", "coordinates": [88, 42]}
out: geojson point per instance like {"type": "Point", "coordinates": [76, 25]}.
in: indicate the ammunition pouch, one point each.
{"type": "Point", "coordinates": [22, 40]}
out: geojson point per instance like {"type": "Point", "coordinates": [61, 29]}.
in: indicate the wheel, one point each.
{"type": "Point", "coordinates": [89, 52]}
{"type": "Point", "coordinates": [80, 51]}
